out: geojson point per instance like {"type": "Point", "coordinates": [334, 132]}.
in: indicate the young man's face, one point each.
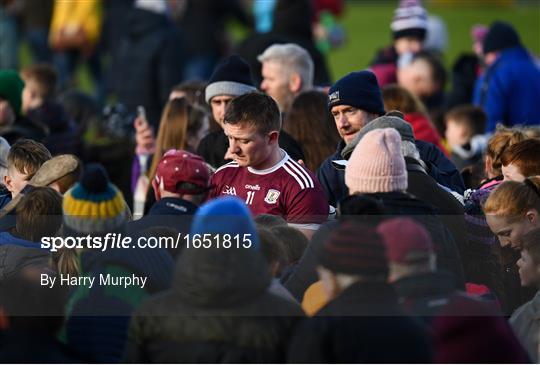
{"type": "Point", "coordinates": [529, 271]}
{"type": "Point", "coordinates": [219, 106]}
{"type": "Point", "coordinates": [407, 45]}
{"type": "Point", "coordinates": [249, 147]}
{"type": "Point", "coordinates": [511, 231]}
{"type": "Point", "coordinates": [30, 96]}
{"type": "Point", "coordinates": [349, 120]}
{"type": "Point", "coordinates": [512, 173]}
{"type": "Point", "coordinates": [7, 116]}
{"type": "Point", "coordinates": [275, 83]}
{"type": "Point", "coordinates": [15, 181]}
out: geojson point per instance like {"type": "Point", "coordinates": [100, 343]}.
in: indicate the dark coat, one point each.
{"type": "Point", "coordinates": [175, 213]}
{"type": "Point", "coordinates": [425, 294]}
{"type": "Point", "coordinates": [398, 204]}
{"type": "Point", "coordinates": [150, 61]}
{"type": "Point", "coordinates": [438, 166]}
{"type": "Point", "coordinates": [218, 311]}
{"type": "Point", "coordinates": [24, 128]}
{"type": "Point", "coordinates": [449, 209]}
{"type": "Point", "coordinates": [214, 146]}
{"type": "Point", "coordinates": [364, 324]}
{"type": "Point", "coordinates": [401, 204]}
{"type": "Point", "coordinates": [64, 136]}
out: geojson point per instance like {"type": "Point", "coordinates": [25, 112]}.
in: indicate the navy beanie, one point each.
{"type": "Point", "coordinates": [232, 76]}
{"type": "Point", "coordinates": [358, 89]}
{"type": "Point", "coordinates": [500, 36]}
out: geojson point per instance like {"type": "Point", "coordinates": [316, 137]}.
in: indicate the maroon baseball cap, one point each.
{"type": "Point", "coordinates": [182, 172]}
{"type": "Point", "coordinates": [406, 241]}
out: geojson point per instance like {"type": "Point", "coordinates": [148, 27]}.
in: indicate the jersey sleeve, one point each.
{"type": "Point", "coordinates": [307, 206]}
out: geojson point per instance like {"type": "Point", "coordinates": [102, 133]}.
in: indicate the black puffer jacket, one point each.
{"type": "Point", "coordinates": [364, 324]}
{"type": "Point", "coordinates": [219, 311]}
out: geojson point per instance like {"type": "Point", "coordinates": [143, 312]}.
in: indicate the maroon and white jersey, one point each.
{"type": "Point", "coordinates": [286, 189]}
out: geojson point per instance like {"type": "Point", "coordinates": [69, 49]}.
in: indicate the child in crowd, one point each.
{"type": "Point", "coordinates": [464, 126]}
{"type": "Point", "coordinates": [526, 319]}
{"type": "Point", "coordinates": [39, 86]}
{"type": "Point", "coordinates": [24, 159]}
{"type": "Point", "coordinates": [40, 106]}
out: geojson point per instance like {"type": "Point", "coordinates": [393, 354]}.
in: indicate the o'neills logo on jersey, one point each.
{"type": "Point", "coordinates": [229, 190]}
{"type": "Point", "coordinates": [253, 187]}
{"type": "Point", "coordinates": [272, 196]}
{"type": "Point", "coordinates": [333, 97]}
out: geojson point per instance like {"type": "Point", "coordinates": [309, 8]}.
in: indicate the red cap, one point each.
{"type": "Point", "coordinates": [179, 166]}
{"type": "Point", "coordinates": [406, 241]}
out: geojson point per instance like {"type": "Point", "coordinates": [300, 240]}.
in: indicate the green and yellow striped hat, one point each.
{"type": "Point", "coordinates": [94, 205]}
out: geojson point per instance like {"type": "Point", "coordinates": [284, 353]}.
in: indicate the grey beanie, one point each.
{"type": "Point", "coordinates": [232, 76]}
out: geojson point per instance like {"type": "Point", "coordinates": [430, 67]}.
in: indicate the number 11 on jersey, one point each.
{"type": "Point", "coordinates": [249, 199]}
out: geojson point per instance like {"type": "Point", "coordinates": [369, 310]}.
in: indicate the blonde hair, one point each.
{"type": "Point", "coordinates": [396, 97]}
{"type": "Point", "coordinates": [179, 121]}
{"type": "Point", "coordinates": [514, 199]}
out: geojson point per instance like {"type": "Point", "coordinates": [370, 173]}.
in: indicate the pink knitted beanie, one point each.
{"type": "Point", "coordinates": [377, 164]}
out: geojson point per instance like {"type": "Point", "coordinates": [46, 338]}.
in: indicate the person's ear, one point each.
{"type": "Point", "coordinates": [295, 83]}
{"type": "Point", "coordinates": [7, 182]}
{"type": "Point", "coordinates": [532, 216]}
{"type": "Point", "coordinates": [273, 137]}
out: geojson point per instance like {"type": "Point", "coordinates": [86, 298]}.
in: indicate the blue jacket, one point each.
{"type": "Point", "coordinates": [438, 166]}
{"type": "Point", "coordinates": [509, 90]}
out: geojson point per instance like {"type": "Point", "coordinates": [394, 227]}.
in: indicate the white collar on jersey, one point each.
{"type": "Point", "coordinates": [273, 168]}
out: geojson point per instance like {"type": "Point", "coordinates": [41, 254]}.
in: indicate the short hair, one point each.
{"type": "Point", "coordinates": [525, 155]}
{"type": "Point", "coordinates": [39, 214]}
{"type": "Point", "coordinates": [45, 77]}
{"type": "Point", "coordinates": [472, 116]}
{"type": "Point", "coordinates": [294, 59]}
{"type": "Point", "coordinates": [257, 109]}
{"type": "Point", "coordinates": [272, 248]}
{"type": "Point", "coordinates": [531, 243]}
{"type": "Point", "coordinates": [294, 242]}
{"type": "Point", "coordinates": [27, 156]}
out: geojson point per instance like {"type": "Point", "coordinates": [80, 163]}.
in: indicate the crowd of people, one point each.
{"type": "Point", "coordinates": [382, 217]}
